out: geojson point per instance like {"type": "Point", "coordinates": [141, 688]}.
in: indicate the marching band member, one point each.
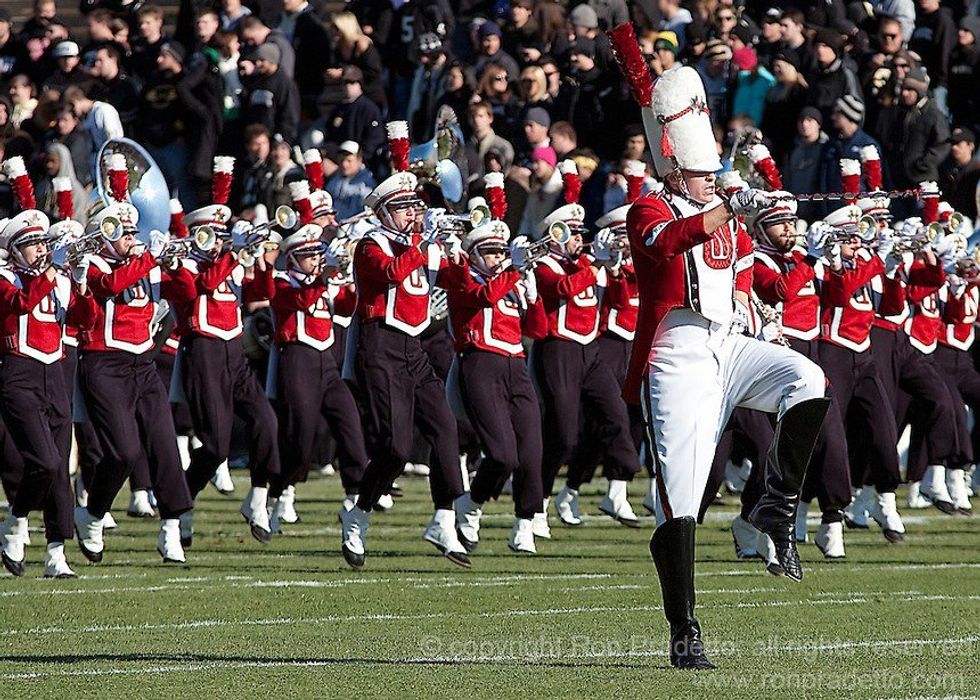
{"type": "Point", "coordinates": [785, 277]}
{"type": "Point", "coordinates": [395, 267]}
{"type": "Point", "coordinates": [309, 389]}
{"type": "Point", "coordinates": [567, 364]}
{"type": "Point", "coordinates": [217, 380]}
{"type": "Point", "coordinates": [123, 392]}
{"type": "Point", "coordinates": [35, 301]}
{"type": "Point", "coordinates": [691, 365]}
{"type": "Point", "coordinates": [491, 306]}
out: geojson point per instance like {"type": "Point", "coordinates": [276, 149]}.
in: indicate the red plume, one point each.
{"type": "Point", "coordinates": [221, 179]}
{"type": "Point", "coordinates": [930, 202]}
{"type": "Point", "coordinates": [626, 51]}
{"type": "Point", "coordinates": [765, 166]}
{"type": "Point", "coordinates": [871, 160]}
{"type": "Point", "coordinates": [313, 164]}
{"type": "Point", "coordinates": [398, 144]}
{"type": "Point", "coordinates": [494, 189]}
{"type": "Point", "coordinates": [299, 191]}
{"type": "Point", "coordinates": [177, 226]}
{"type": "Point", "coordinates": [118, 177]}
{"type": "Point", "coordinates": [635, 177]}
{"type": "Point", "coordinates": [569, 178]}
{"type": "Point", "coordinates": [23, 187]}
{"type": "Point", "coordinates": [850, 173]}
{"type": "Point", "coordinates": [63, 197]}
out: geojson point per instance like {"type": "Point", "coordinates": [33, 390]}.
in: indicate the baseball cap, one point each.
{"type": "Point", "coordinates": [349, 148]}
{"type": "Point", "coordinates": [65, 49]}
{"type": "Point", "coordinates": [961, 133]}
{"type": "Point", "coordinates": [772, 16]}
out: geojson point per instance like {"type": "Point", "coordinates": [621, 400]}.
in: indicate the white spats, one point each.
{"type": "Point", "coordinates": [616, 504]}
{"type": "Point", "coordinates": [385, 502]}
{"type": "Point", "coordinates": [746, 538]}
{"type": "Point", "coordinates": [956, 487]}
{"type": "Point", "coordinates": [13, 532]}
{"type": "Point", "coordinates": [885, 513]}
{"type": "Point", "coordinates": [540, 526]}
{"type": "Point", "coordinates": [288, 501]}
{"type": "Point", "coordinates": [55, 563]}
{"type": "Point", "coordinates": [934, 488]}
{"type": "Point", "coordinates": [222, 479]}
{"type": "Point", "coordinates": [184, 451]}
{"type": "Point", "coordinates": [468, 513]}
{"type": "Point", "coordinates": [275, 515]}
{"type": "Point", "coordinates": [801, 513]}
{"type": "Point", "coordinates": [566, 505]}
{"type": "Point", "coordinates": [88, 530]}
{"type": "Point", "coordinates": [255, 511]}
{"type": "Point", "coordinates": [168, 544]}
{"type": "Point", "coordinates": [522, 537]}
{"type": "Point", "coordinates": [353, 534]}
{"type": "Point", "coordinates": [441, 532]}
{"type": "Point", "coordinates": [856, 514]}
{"type": "Point", "coordinates": [139, 505]}
{"type": "Point", "coordinates": [830, 540]}
{"type": "Point", "coordinates": [915, 498]}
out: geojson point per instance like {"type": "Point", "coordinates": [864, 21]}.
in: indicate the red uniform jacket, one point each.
{"type": "Point", "coordinates": [845, 301]}
{"type": "Point", "coordinates": [959, 315]}
{"type": "Point", "coordinates": [491, 315]}
{"type": "Point", "coordinates": [620, 304]}
{"type": "Point", "coordinates": [304, 312]}
{"type": "Point", "coordinates": [394, 281]}
{"type": "Point", "coordinates": [34, 312]}
{"type": "Point", "coordinates": [571, 292]}
{"type": "Point", "coordinates": [786, 281]}
{"type": "Point", "coordinates": [924, 325]}
{"type": "Point", "coordinates": [666, 244]}
{"type": "Point", "coordinates": [128, 293]}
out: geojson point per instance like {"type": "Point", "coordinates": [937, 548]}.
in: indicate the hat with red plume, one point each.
{"type": "Point", "coordinates": [635, 173]}
{"type": "Point", "coordinates": [871, 160]}
{"type": "Point", "coordinates": [570, 180]}
{"type": "Point", "coordinates": [299, 191]}
{"type": "Point", "coordinates": [313, 164]}
{"type": "Point", "coordinates": [850, 175]}
{"type": "Point", "coordinates": [118, 177]}
{"type": "Point", "coordinates": [178, 227]}
{"type": "Point", "coordinates": [221, 179]}
{"type": "Point", "coordinates": [493, 184]}
{"type": "Point", "coordinates": [766, 167]}
{"type": "Point", "coordinates": [930, 202]}
{"type": "Point", "coordinates": [23, 187]}
{"type": "Point", "coordinates": [63, 197]}
{"type": "Point", "coordinates": [398, 144]}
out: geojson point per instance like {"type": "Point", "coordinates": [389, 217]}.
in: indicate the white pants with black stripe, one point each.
{"type": "Point", "coordinates": [698, 374]}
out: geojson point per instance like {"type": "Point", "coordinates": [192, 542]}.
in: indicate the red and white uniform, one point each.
{"type": "Point", "coordinates": [888, 293]}
{"type": "Point", "coordinates": [213, 308]}
{"type": "Point", "coordinates": [786, 282]}
{"type": "Point", "coordinates": [572, 293]}
{"type": "Point", "coordinates": [394, 281]}
{"type": "Point", "coordinates": [128, 294]}
{"type": "Point", "coordinates": [690, 364]}
{"type": "Point", "coordinates": [34, 312]}
{"type": "Point", "coordinates": [171, 343]}
{"type": "Point", "coordinates": [304, 313]}
{"type": "Point", "coordinates": [845, 300]}
{"type": "Point", "coordinates": [492, 315]}
{"type": "Point", "coordinates": [620, 305]}
{"type": "Point", "coordinates": [959, 317]}
{"type": "Point", "coordinates": [924, 326]}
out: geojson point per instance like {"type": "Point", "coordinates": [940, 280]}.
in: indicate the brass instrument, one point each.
{"type": "Point", "coordinates": [76, 247]}
{"type": "Point", "coordinates": [260, 239]}
{"type": "Point", "coordinates": [204, 239]}
{"type": "Point", "coordinates": [968, 266]}
{"type": "Point", "coordinates": [442, 160]}
{"type": "Point", "coordinates": [457, 223]}
{"type": "Point", "coordinates": [914, 243]}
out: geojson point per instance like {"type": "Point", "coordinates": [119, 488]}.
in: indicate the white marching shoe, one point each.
{"type": "Point", "coordinates": [441, 532]}
{"type": "Point", "coordinates": [184, 451]}
{"type": "Point", "coordinates": [350, 500]}
{"type": "Point", "coordinates": [168, 544]}
{"type": "Point", "coordinates": [327, 469]}
{"type": "Point", "coordinates": [288, 500]}
{"type": "Point", "coordinates": [109, 522]}
{"type": "Point", "coordinates": [856, 513]}
{"type": "Point", "coordinates": [88, 530]}
{"type": "Point", "coordinates": [915, 499]}
{"type": "Point", "coordinates": [650, 500]}
{"type": "Point", "coordinates": [933, 487]}
{"type": "Point", "coordinates": [522, 537]}
{"type": "Point", "coordinates": [885, 513]}
{"type": "Point", "coordinates": [13, 531]}
{"type": "Point", "coordinates": [139, 505]}
{"type": "Point", "coordinates": [736, 476]}
{"type": "Point", "coordinates": [222, 480]}
{"type": "Point", "coordinates": [566, 505]}
{"type": "Point", "coordinates": [353, 532]}
{"type": "Point", "coordinates": [539, 523]}
{"type": "Point", "coordinates": [830, 540]}
{"type": "Point", "coordinates": [956, 486]}
{"type": "Point", "coordinates": [385, 502]}
{"type": "Point", "coordinates": [186, 520]}
{"type": "Point", "coordinates": [746, 538]}
{"type": "Point", "coordinates": [801, 512]}
{"type": "Point", "coordinates": [55, 564]}
{"type": "Point", "coordinates": [616, 504]}
{"type": "Point", "coordinates": [255, 511]}
{"type": "Point", "coordinates": [767, 550]}
{"type": "Point", "coordinates": [468, 514]}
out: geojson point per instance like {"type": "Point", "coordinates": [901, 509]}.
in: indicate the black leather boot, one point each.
{"type": "Point", "coordinates": [786, 463]}
{"type": "Point", "coordinates": [672, 547]}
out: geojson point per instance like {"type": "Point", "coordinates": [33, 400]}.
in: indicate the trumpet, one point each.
{"type": "Point", "coordinates": [111, 228]}
{"type": "Point", "coordinates": [77, 247]}
{"type": "Point", "coordinates": [284, 217]}
{"type": "Point", "coordinates": [203, 239]}
{"type": "Point", "coordinates": [968, 266]}
{"type": "Point", "coordinates": [923, 237]}
{"type": "Point", "coordinates": [457, 223]}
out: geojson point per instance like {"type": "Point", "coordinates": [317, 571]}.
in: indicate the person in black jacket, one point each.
{"type": "Point", "coordinates": [357, 119]}
{"type": "Point", "coordinates": [831, 79]}
{"type": "Point", "coordinates": [933, 39]}
{"type": "Point", "coordinates": [922, 131]}
{"type": "Point", "coordinates": [114, 86]}
{"type": "Point", "coordinates": [964, 74]}
{"type": "Point", "coordinates": [313, 46]}
{"type": "Point", "coordinates": [271, 97]}
{"type": "Point", "coordinates": [200, 91]}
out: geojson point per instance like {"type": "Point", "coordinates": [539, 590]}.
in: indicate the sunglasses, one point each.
{"type": "Point", "coordinates": [889, 36]}
{"type": "Point", "coordinates": [902, 65]}
{"type": "Point", "coordinates": [500, 77]}
{"type": "Point", "coordinates": [726, 18]}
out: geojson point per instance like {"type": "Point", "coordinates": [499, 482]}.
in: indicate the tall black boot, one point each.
{"type": "Point", "coordinates": [672, 547]}
{"type": "Point", "coordinates": [786, 463]}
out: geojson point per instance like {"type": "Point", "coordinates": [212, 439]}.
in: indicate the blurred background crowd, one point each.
{"type": "Point", "coordinates": [531, 81]}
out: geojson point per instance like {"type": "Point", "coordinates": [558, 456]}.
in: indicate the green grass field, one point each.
{"type": "Point", "coordinates": [580, 619]}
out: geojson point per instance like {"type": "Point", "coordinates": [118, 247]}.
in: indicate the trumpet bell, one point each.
{"type": "Point", "coordinates": [479, 214]}
{"type": "Point", "coordinates": [205, 238]}
{"type": "Point", "coordinates": [955, 222]}
{"type": "Point", "coordinates": [286, 217]}
{"type": "Point", "coordinates": [560, 232]}
{"type": "Point", "coordinates": [867, 228]}
{"type": "Point", "coordinates": [934, 232]}
{"type": "Point", "coordinates": [111, 228]}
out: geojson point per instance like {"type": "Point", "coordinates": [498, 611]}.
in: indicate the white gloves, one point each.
{"type": "Point", "coordinates": [454, 246]}
{"type": "Point", "coordinates": [602, 246]}
{"type": "Point", "coordinates": [833, 256]}
{"type": "Point", "coordinates": [530, 286]}
{"type": "Point", "coordinates": [430, 224]}
{"type": "Point", "coordinates": [749, 202]}
{"type": "Point", "coordinates": [79, 272]}
{"type": "Point", "coordinates": [333, 253]}
{"type": "Point", "coordinates": [740, 321]}
{"type": "Point", "coordinates": [158, 241]}
{"type": "Point", "coordinates": [886, 244]}
{"type": "Point", "coordinates": [818, 237]}
{"type": "Point", "coordinates": [957, 285]}
{"type": "Point", "coordinates": [518, 252]}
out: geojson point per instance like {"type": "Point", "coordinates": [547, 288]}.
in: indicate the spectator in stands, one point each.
{"type": "Point", "coordinates": [58, 163]}
{"type": "Point", "coordinates": [13, 54]}
{"type": "Point", "coordinates": [664, 53]}
{"type": "Point", "coordinates": [114, 86]}
{"type": "Point", "coordinates": [533, 88]}
{"type": "Point", "coordinates": [960, 173]}
{"type": "Point", "coordinates": [68, 131]}
{"type": "Point", "coordinates": [675, 19]}
{"type": "Point", "coordinates": [69, 70]}
{"type": "Point", "coordinates": [563, 139]}
{"type": "Point", "coordinates": [351, 183]}
{"type": "Point", "coordinates": [22, 95]}
{"type": "Point", "coordinates": [232, 14]}
{"type": "Point", "coordinates": [428, 86]}
{"type": "Point", "coordinates": [715, 71]}
{"type": "Point", "coordinates": [151, 37]}
{"type": "Point", "coordinates": [254, 33]}
{"type": "Point", "coordinates": [492, 53]}
{"type": "Point", "coordinates": [256, 177]}
{"type": "Point", "coordinates": [902, 10]}
{"type": "Point", "coordinates": [831, 79]}
{"type": "Point", "coordinates": [271, 98]}
{"type": "Point", "coordinates": [771, 37]}
{"type": "Point", "coordinates": [964, 74]}
{"type": "Point", "coordinates": [355, 48]}
{"type": "Point", "coordinates": [922, 132]}
{"type": "Point", "coordinates": [100, 120]}
{"type": "Point", "coordinates": [99, 24]}
{"type": "Point", "coordinates": [787, 98]}
{"type": "Point", "coordinates": [803, 170]}
{"type": "Point", "coordinates": [521, 35]}
{"type": "Point", "coordinates": [933, 39]}
{"type": "Point", "coordinates": [752, 85]}
{"type": "Point", "coordinates": [357, 119]}
{"type": "Point", "coordinates": [791, 25]}
{"type": "Point", "coordinates": [849, 138]}
{"type": "Point", "coordinates": [300, 24]}
{"type": "Point", "coordinates": [544, 185]}
{"type": "Point", "coordinates": [484, 139]}
{"type": "Point", "coordinates": [494, 87]}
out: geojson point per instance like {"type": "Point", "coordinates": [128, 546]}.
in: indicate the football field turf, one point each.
{"type": "Point", "coordinates": [582, 618]}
